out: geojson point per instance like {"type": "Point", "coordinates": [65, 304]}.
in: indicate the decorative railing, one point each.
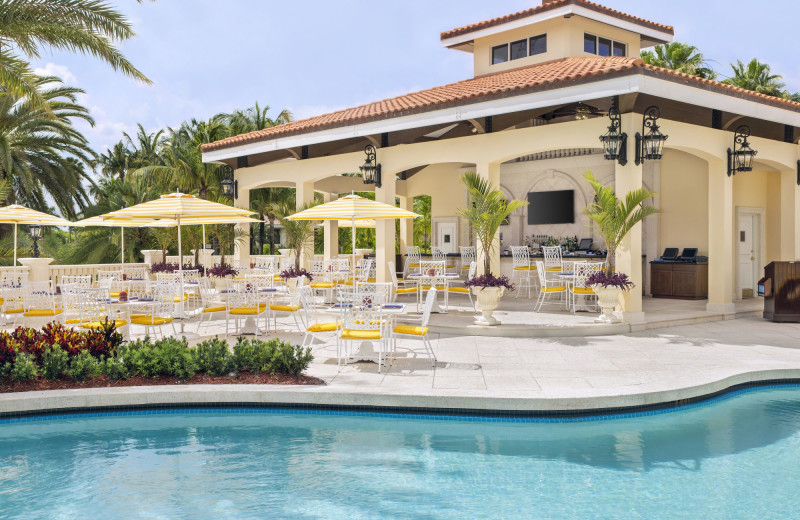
{"type": "Point", "coordinates": [57, 271]}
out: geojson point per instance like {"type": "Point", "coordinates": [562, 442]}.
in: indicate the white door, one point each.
{"type": "Point", "coordinates": [446, 237]}
{"type": "Point", "coordinates": [748, 249]}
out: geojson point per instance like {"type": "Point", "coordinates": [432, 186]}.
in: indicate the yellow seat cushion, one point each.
{"type": "Point", "coordinates": [360, 334]}
{"type": "Point", "coordinates": [582, 290]}
{"type": "Point", "coordinates": [150, 320]}
{"type": "Point", "coordinates": [322, 285]}
{"type": "Point", "coordinates": [38, 313]}
{"type": "Point", "coordinates": [462, 290]}
{"type": "Point", "coordinates": [413, 265]}
{"type": "Point", "coordinates": [218, 308]}
{"type": "Point", "coordinates": [551, 269]}
{"type": "Point", "coordinates": [100, 324]}
{"type": "Point", "coordinates": [178, 300]}
{"type": "Point", "coordinates": [324, 327]}
{"type": "Point", "coordinates": [464, 267]}
{"type": "Point", "coordinates": [249, 311]}
{"type": "Point", "coordinates": [2, 301]}
{"type": "Point", "coordinates": [73, 321]}
{"type": "Point", "coordinates": [14, 311]}
{"type": "Point", "coordinates": [411, 330]}
{"type": "Point", "coordinates": [277, 278]}
{"type": "Point", "coordinates": [438, 288]}
{"type": "Point", "coordinates": [114, 294]}
{"type": "Point", "coordinates": [283, 308]}
{"type": "Point", "coordinates": [406, 290]}
{"type": "Point", "coordinates": [553, 289]}
{"type": "Point", "coordinates": [523, 268]}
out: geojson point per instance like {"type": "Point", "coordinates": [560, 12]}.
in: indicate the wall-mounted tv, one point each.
{"type": "Point", "coordinates": [551, 207]}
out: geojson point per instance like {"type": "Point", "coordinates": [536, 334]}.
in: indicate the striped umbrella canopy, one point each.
{"type": "Point", "coordinates": [353, 208]}
{"type": "Point", "coordinates": [16, 214]}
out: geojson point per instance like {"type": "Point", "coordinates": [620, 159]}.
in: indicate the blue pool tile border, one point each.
{"type": "Point", "coordinates": [424, 413]}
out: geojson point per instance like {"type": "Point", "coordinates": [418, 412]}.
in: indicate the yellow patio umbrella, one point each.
{"type": "Point", "coordinates": [121, 224]}
{"type": "Point", "coordinates": [16, 214]}
{"type": "Point", "coordinates": [353, 209]}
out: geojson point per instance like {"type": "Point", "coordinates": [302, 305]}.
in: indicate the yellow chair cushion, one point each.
{"type": "Point", "coordinates": [582, 290]}
{"type": "Point", "coordinates": [428, 288]}
{"type": "Point", "coordinates": [73, 321]}
{"type": "Point", "coordinates": [99, 324]}
{"type": "Point", "coordinates": [322, 285]}
{"type": "Point", "coordinates": [114, 294]}
{"type": "Point", "coordinates": [218, 308]}
{"type": "Point", "coordinates": [411, 330]}
{"type": "Point", "coordinates": [283, 308]}
{"type": "Point", "coordinates": [178, 300]}
{"type": "Point", "coordinates": [150, 320]}
{"type": "Point", "coordinates": [14, 311]}
{"type": "Point", "coordinates": [324, 327]}
{"type": "Point", "coordinates": [523, 268]}
{"type": "Point", "coordinates": [1, 301]}
{"type": "Point", "coordinates": [277, 278]}
{"type": "Point", "coordinates": [249, 311]}
{"type": "Point", "coordinates": [38, 313]}
{"type": "Point", "coordinates": [551, 269]}
{"type": "Point", "coordinates": [553, 289]}
{"type": "Point", "coordinates": [361, 334]}
{"type": "Point", "coordinates": [462, 290]}
{"type": "Point", "coordinates": [406, 290]}
{"type": "Point", "coordinates": [413, 265]}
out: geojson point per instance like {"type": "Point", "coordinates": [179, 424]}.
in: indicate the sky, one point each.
{"type": "Point", "coordinates": [315, 56]}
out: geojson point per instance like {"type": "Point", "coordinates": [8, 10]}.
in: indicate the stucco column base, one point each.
{"type": "Point", "coordinates": [721, 308]}
{"type": "Point", "coordinates": [38, 270]}
{"type": "Point", "coordinates": [151, 256]}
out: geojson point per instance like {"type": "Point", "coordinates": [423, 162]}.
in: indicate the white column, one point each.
{"type": "Point", "coordinates": [385, 230]}
{"type": "Point", "coordinates": [491, 172]}
{"type": "Point", "coordinates": [406, 225]}
{"type": "Point", "coordinates": [304, 194]}
{"type": "Point", "coordinates": [330, 232]}
{"type": "Point", "coordinates": [790, 216]}
{"type": "Point", "coordinates": [720, 239]}
{"type": "Point", "coordinates": [241, 251]}
{"type": "Point", "coordinates": [629, 253]}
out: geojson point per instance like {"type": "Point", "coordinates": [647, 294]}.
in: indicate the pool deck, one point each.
{"type": "Point", "coordinates": [514, 374]}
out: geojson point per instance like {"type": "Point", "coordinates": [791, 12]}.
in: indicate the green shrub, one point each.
{"type": "Point", "coordinates": [55, 361]}
{"type": "Point", "coordinates": [175, 358]}
{"type": "Point", "coordinates": [113, 367]}
{"type": "Point", "coordinates": [289, 359]}
{"type": "Point", "coordinates": [5, 369]}
{"type": "Point", "coordinates": [83, 366]}
{"type": "Point", "coordinates": [138, 358]}
{"type": "Point", "coordinates": [24, 368]}
{"type": "Point", "coordinates": [253, 355]}
{"type": "Point", "coordinates": [213, 357]}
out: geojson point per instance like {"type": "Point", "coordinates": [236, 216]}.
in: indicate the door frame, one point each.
{"type": "Point", "coordinates": [760, 249]}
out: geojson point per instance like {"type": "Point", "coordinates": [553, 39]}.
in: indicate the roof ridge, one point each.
{"type": "Point", "coordinates": [466, 29]}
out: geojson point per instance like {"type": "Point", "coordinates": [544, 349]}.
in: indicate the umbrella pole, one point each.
{"type": "Point", "coordinates": [15, 246]}
{"type": "Point", "coordinates": [180, 270]}
{"type": "Point", "coordinates": [122, 244]}
{"type": "Point", "coordinates": [353, 252]}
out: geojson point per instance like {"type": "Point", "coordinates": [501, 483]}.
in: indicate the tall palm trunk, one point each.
{"type": "Point", "coordinates": [261, 233]}
{"type": "Point", "coordinates": [271, 235]}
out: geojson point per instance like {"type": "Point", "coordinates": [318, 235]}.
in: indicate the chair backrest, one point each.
{"type": "Point", "coordinates": [307, 303]}
{"type": "Point", "coordinates": [105, 275]}
{"type": "Point", "coordinates": [468, 254]}
{"type": "Point", "coordinates": [473, 270]}
{"type": "Point", "coordinates": [77, 280]}
{"type": "Point", "coordinates": [569, 266]}
{"type": "Point", "coordinates": [361, 317]}
{"type": "Point", "coordinates": [439, 254]}
{"type": "Point", "coordinates": [285, 263]}
{"type": "Point", "coordinates": [93, 303]}
{"type": "Point", "coordinates": [265, 262]}
{"type": "Point", "coordinates": [135, 273]}
{"type": "Point", "coordinates": [139, 289]}
{"type": "Point", "coordinates": [12, 297]}
{"type": "Point", "coordinates": [413, 252]}
{"type": "Point", "coordinates": [378, 293]}
{"type": "Point", "coordinates": [438, 267]}
{"type": "Point", "coordinates": [366, 269]}
{"type": "Point", "coordinates": [582, 271]}
{"type": "Point", "coordinates": [520, 256]}
{"type": "Point", "coordinates": [39, 295]}
{"type": "Point", "coordinates": [191, 275]}
{"type": "Point", "coordinates": [13, 277]}
{"type": "Point", "coordinates": [346, 294]}
{"type": "Point", "coordinates": [164, 299]}
{"type": "Point", "coordinates": [393, 274]}
{"type": "Point", "coordinates": [206, 292]}
{"type": "Point", "coordinates": [169, 278]}
{"type": "Point", "coordinates": [430, 299]}
{"type": "Point", "coordinates": [542, 273]}
{"type": "Point", "coordinates": [552, 256]}
{"type": "Point", "coordinates": [318, 266]}
{"type": "Point", "coordinates": [260, 280]}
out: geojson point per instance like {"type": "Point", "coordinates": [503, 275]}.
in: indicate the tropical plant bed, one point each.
{"type": "Point", "coordinates": [40, 384]}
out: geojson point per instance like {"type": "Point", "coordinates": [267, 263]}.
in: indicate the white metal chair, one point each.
{"type": "Point", "coordinates": [378, 293]}
{"type": "Point", "coordinates": [401, 286]}
{"type": "Point", "coordinates": [523, 270]}
{"type": "Point", "coordinates": [473, 268]}
{"type": "Point", "coordinates": [111, 280]}
{"type": "Point", "coordinates": [547, 287]}
{"type": "Point", "coordinates": [135, 273]}
{"type": "Point", "coordinates": [314, 327]}
{"type": "Point", "coordinates": [290, 306]}
{"type": "Point", "coordinates": [362, 323]}
{"type": "Point", "coordinates": [244, 303]}
{"type": "Point", "coordinates": [76, 280]}
{"type": "Point", "coordinates": [552, 259]}
{"type": "Point", "coordinates": [435, 272]}
{"type": "Point", "coordinates": [413, 258]}
{"type": "Point", "coordinates": [468, 255]}
{"type": "Point", "coordinates": [159, 312]}
{"type": "Point", "coordinates": [416, 329]}
{"type": "Point", "coordinates": [582, 272]}
{"type": "Point", "coordinates": [40, 303]}
{"type": "Point", "coordinates": [94, 308]}
{"type": "Point", "coordinates": [12, 303]}
{"type": "Point", "coordinates": [440, 255]}
{"type": "Point", "coordinates": [209, 304]}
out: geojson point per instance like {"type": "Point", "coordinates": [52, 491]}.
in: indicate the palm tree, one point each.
{"type": "Point", "coordinates": [114, 163]}
{"type": "Point", "coordinates": [269, 204]}
{"type": "Point", "coordinates": [253, 118]}
{"type": "Point", "coordinates": [422, 226]}
{"type": "Point", "coordinates": [487, 210]}
{"type": "Point", "coordinates": [145, 147]}
{"type": "Point", "coordinates": [81, 26]}
{"type": "Point", "coordinates": [614, 218]}
{"type": "Point", "coordinates": [756, 76]}
{"type": "Point", "coordinates": [298, 232]}
{"type": "Point", "coordinates": [42, 155]}
{"type": "Point", "coordinates": [681, 57]}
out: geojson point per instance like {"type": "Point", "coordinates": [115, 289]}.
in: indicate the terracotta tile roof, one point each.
{"type": "Point", "coordinates": [550, 6]}
{"type": "Point", "coordinates": [539, 77]}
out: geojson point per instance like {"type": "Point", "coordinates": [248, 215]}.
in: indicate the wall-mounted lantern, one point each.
{"type": "Point", "coordinates": [230, 188]}
{"type": "Point", "coordinates": [615, 142]}
{"type": "Point", "coordinates": [36, 234]}
{"type": "Point", "coordinates": [371, 170]}
{"type": "Point", "coordinates": [740, 159]}
{"type": "Point", "coordinates": [650, 143]}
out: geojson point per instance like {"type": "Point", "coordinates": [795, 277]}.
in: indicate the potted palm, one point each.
{"type": "Point", "coordinates": [298, 232]}
{"type": "Point", "coordinates": [614, 218]}
{"type": "Point", "coordinates": [485, 213]}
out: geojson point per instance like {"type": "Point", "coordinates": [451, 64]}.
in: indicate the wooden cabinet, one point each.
{"type": "Point", "coordinates": [679, 280]}
{"type": "Point", "coordinates": [782, 295]}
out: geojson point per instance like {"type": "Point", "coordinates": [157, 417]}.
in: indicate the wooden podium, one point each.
{"type": "Point", "coordinates": [780, 288]}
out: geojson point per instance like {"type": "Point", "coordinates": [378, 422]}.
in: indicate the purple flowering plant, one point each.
{"type": "Point", "coordinates": [490, 280]}
{"type": "Point", "coordinates": [618, 280]}
{"type": "Point", "coordinates": [222, 270]}
{"type": "Point", "coordinates": [295, 272]}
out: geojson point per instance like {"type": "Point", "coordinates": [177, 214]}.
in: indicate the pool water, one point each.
{"type": "Point", "coordinates": [735, 458]}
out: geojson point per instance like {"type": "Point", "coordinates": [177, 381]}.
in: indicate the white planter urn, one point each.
{"type": "Point", "coordinates": [607, 299]}
{"type": "Point", "coordinates": [488, 300]}
{"type": "Point", "coordinates": [220, 283]}
{"type": "Point", "coordinates": [291, 284]}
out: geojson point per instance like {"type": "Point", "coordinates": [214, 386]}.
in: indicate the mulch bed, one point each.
{"type": "Point", "coordinates": [198, 379]}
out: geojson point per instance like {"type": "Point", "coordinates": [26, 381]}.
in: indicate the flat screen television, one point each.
{"type": "Point", "coordinates": [551, 207]}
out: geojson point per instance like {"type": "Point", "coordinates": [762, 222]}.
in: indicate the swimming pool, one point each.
{"type": "Point", "coordinates": [735, 458]}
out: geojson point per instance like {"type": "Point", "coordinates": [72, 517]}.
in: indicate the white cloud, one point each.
{"type": "Point", "coordinates": [51, 69]}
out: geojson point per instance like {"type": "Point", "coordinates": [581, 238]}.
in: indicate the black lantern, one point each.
{"type": "Point", "coordinates": [371, 170]}
{"type": "Point", "coordinates": [650, 143]}
{"type": "Point", "coordinates": [740, 159]}
{"type": "Point", "coordinates": [615, 142]}
{"type": "Point", "coordinates": [230, 188]}
{"type": "Point", "coordinates": [36, 234]}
